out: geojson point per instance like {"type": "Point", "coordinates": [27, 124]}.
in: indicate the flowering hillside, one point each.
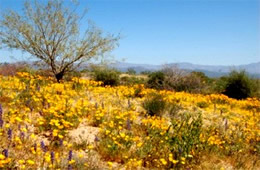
{"type": "Point", "coordinates": [81, 124]}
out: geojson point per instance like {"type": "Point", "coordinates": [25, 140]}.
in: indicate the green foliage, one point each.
{"type": "Point", "coordinates": [237, 85]}
{"type": "Point", "coordinates": [202, 104]}
{"type": "Point", "coordinates": [44, 73]}
{"type": "Point", "coordinates": [131, 71]}
{"type": "Point", "coordinates": [156, 80]}
{"type": "Point", "coordinates": [147, 72]}
{"type": "Point", "coordinates": [70, 75]}
{"type": "Point", "coordinates": [180, 80]}
{"type": "Point", "coordinates": [176, 143]}
{"type": "Point", "coordinates": [185, 134]}
{"type": "Point", "coordinates": [7, 69]}
{"type": "Point", "coordinates": [131, 80]}
{"type": "Point", "coordinates": [107, 76]}
{"type": "Point", "coordinates": [154, 104]}
{"type": "Point", "coordinates": [256, 88]}
{"type": "Point", "coordinates": [174, 108]}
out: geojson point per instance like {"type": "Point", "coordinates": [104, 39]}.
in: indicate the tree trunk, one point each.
{"type": "Point", "coordinates": [59, 76]}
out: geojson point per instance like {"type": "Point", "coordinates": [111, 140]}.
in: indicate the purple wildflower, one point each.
{"type": "Point", "coordinates": [22, 135]}
{"type": "Point", "coordinates": [43, 146]}
{"type": "Point", "coordinates": [1, 116]}
{"type": "Point", "coordinates": [61, 142]}
{"type": "Point", "coordinates": [69, 159]}
{"type": "Point", "coordinates": [70, 155]}
{"type": "Point", "coordinates": [96, 139]}
{"type": "Point", "coordinates": [5, 152]}
{"type": "Point", "coordinates": [52, 157]}
{"type": "Point", "coordinates": [9, 133]}
{"type": "Point", "coordinates": [1, 111]}
{"type": "Point", "coordinates": [1, 122]}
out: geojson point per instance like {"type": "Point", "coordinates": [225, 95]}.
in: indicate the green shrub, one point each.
{"type": "Point", "coordinates": [139, 91]}
{"type": "Point", "coordinates": [180, 80]}
{"type": "Point", "coordinates": [172, 78]}
{"type": "Point", "coordinates": [185, 138]}
{"type": "Point", "coordinates": [256, 88]}
{"type": "Point", "coordinates": [131, 80]}
{"type": "Point", "coordinates": [70, 75]}
{"type": "Point", "coordinates": [154, 104]}
{"type": "Point", "coordinates": [9, 69]}
{"type": "Point", "coordinates": [202, 104]}
{"type": "Point", "coordinates": [174, 109]}
{"type": "Point", "coordinates": [156, 80]}
{"type": "Point", "coordinates": [131, 71]}
{"type": "Point", "coordinates": [107, 76]}
{"type": "Point", "coordinates": [177, 142]}
{"type": "Point", "coordinates": [146, 72]}
{"type": "Point", "coordinates": [238, 85]}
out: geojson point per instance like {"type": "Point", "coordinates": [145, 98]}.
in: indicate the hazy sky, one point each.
{"type": "Point", "coordinates": [215, 32]}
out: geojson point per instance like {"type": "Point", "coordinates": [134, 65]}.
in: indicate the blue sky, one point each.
{"type": "Point", "coordinates": [212, 32]}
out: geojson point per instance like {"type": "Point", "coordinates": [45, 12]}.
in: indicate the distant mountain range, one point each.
{"type": "Point", "coordinates": [210, 70]}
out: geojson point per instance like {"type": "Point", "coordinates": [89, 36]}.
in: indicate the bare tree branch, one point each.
{"type": "Point", "coordinates": [50, 32]}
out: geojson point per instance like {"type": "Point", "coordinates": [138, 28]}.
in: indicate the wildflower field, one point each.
{"type": "Point", "coordinates": [81, 124]}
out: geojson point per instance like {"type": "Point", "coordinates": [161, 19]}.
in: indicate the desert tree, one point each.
{"type": "Point", "coordinates": [50, 32]}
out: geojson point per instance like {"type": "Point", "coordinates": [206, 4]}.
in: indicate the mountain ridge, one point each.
{"type": "Point", "coordinates": [210, 70]}
{"type": "Point", "coordinates": [252, 69]}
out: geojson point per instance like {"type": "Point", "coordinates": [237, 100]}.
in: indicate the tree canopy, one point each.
{"type": "Point", "coordinates": [50, 32]}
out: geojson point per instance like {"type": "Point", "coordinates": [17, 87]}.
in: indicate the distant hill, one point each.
{"type": "Point", "coordinates": [210, 70]}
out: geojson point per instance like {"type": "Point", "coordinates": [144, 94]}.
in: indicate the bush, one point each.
{"type": "Point", "coordinates": [256, 88]}
{"type": "Point", "coordinates": [131, 71]}
{"type": "Point", "coordinates": [186, 138]}
{"type": "Point", "coordinates": [180, 80]}
{"type": "Point", "coordinates": [70, 75]}
{"type": "Point", "coordinates": [238, 85]}
{"type": "Point", "coordinates": [146, 72]}
{"type": "Point", "coordinates": [156, 80]}
{"type": "Point", "coordinates": [172, 78]}
{"type": "Point", "coordinates": [131, 80]}
{"type": "Point", "coordinates": [9, 69]}
{"type": "Point", "coordinates": [154, 104]}
{"type": "Point", "coordinates": [44, 73]}
{"type": "Point", "coordinates": [107, 76]}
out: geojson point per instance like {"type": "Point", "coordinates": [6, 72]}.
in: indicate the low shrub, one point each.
{"type": "Point", "coordinates": [180, 80]}
{"type": "Point", "coordinates": [202, 104]}
{"type": "Point", "coordinates": [172, 78]}
{"type": "Point", "coordinates": [237, 85]}
{"type": "Point", "coordinates": [156, 80]}
{"type": "Point", "coordinates": [45, 73]}
{"type": "Point", "coordinates": [146, 72]}
{"type": "Point", "coordinates": [176, 143]}
{"type": "Point", "coordinates": [107, 76]}
{"type": "Point", "coordinates": [131, 71]}
{"type": "Point", "coordinates": [174, 109]}
{"type": "Point", "coordinates": [131, 80]}
{"type": "Point", "coordinates": [154, 104]}
{"type": "Point", "coordinates": [185, 138]}
{"type": "Point", "coordinates": [70, 75]}
{"type": "Point", "coordinates": [10, 69]}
